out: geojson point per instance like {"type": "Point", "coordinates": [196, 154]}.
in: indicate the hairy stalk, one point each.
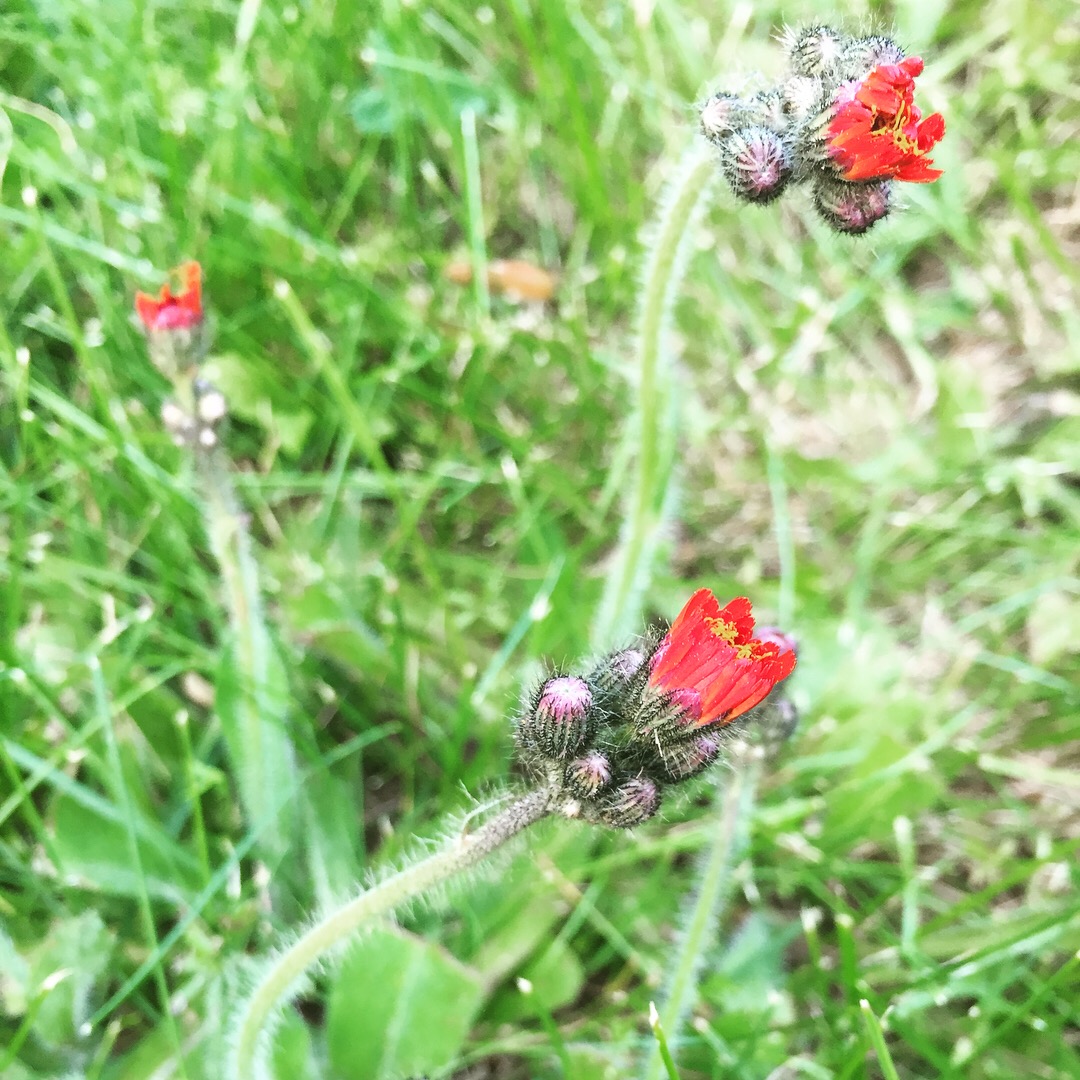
{"type": "Point", "coordinates": [251, 683]}
{"type": "Point", "coordinates": [706, 906]}
{"type": "Point", "coordinates": [654, 428]}
{"type": "Point", "coordinates": [285, 972]}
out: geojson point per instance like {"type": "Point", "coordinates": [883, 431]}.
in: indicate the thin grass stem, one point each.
{"type": "Point", "coordinates": [146, 913]}
{"type": "Point", "coordinates": [707, 901]}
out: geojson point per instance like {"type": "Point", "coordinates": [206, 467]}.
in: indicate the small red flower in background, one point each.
{"type": "Point", "coordinates": [711, 663]}
{"type": "Point", "coordinates": [169, 312]}
{"type": "Point", "coordinates": [878, 131]}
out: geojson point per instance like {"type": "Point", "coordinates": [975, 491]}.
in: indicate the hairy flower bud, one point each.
{"type": "Point", "coordinates": [775, 723]}
{"type": "Point", "coordinates": [756, 163]}
{"type": "Point", "coordinates": [852, 208]}
{"type": "Point", "coordinates": [773, 635]}
{"type": "Point", "coordinates": [859, 55]}
{"type": "Point", "coordinates": [614, 672]}
{"type": "Point", "coordinates": [802, 96]}
{"type": "Point", "coordinates": [814, 50]}
{"type": "Point", "coordinates": [630, 804]}
{"type": "Point", "coordinates": [721, 114]}
{"type": "Point", "coordinates": [588, 775]}
{"type": "Point", "coordinates": [685, 759]}
{"type": "Point", "coordinates": [768, 108]}
{"type": "Point", "coordinates": [557, 723]}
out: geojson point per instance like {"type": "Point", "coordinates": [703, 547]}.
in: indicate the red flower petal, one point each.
{"type": "Point", "coordinates": [710, 663]}
{"type": "Point", "coordinates": [878, 131]}
{"type": "Point", "coordinates": [172, 312]}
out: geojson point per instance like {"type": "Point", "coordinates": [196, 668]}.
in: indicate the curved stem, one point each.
{"type": "Point", "coordinates": [286, 970]}
{"type": "Point", "coordinates": [655, 428]}
{"type": "Point", "coordinates": [713, 886]}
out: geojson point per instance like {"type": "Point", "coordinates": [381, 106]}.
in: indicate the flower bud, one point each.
{"type": "Point", "coordinates": [686, 759]}
{"type": "Point", "coordinates": [860, 55]}
{"type": "Point", "coordinates": [814, 50]}
{"type": "Point", "coordinates": [775, 636]}
{"type": "Point", "coordinates": [557, 724]}
{"type": "Point", "coordinates": [615, 672]}
{"type": "Point", "coordinates": [769, 109]}
{"type": "Point", "coordinates": [756, 163]}
{"type": "Point", "coordinates": [720, 116]}
{"type": "Point", "coordinates": [174, 323]}
{"type": "Point", "coordinates": [630, 804]}
{"type": "Point", "coordinates": [803, 96]}
{"type": "Point", "coordinates": [852, 208]}
{"type": "Point", "coordinates": [588, 775]}
{"type": "Point", "coordinates": [774, 723]}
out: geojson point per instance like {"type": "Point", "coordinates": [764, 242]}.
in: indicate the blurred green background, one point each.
{"type": "Point", "coordinates": [881, 445]}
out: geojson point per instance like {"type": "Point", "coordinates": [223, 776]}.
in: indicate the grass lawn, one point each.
{"type": "Point", "coordinates": [879, 443]}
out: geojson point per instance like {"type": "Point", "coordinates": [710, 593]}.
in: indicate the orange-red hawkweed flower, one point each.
{"type": "Point", "coordinates": [174, 312]}
{"type": "Point", "coordinates": [878, 131]}
{"type": "Point", "coordinates": [711, 663]}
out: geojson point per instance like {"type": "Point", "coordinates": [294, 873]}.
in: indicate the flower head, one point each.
{"type": "Point", "coordinates": [557, 721]}
{"type": "Point", "coordinates": [713, 665]}
{"type": "Point", "coordinates": [852, 208]}
{"type": "Point", "coordinates": [182, 311]}
{"type": "Point", "coordinates": [756, 162]}
{"type": "Point", "coordinates": [878, 131]}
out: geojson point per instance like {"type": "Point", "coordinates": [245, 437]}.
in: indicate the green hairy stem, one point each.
{"type": "Point", "coordinates": [284, 973]}
{"type": "Point", "coordinates": [654, 430]}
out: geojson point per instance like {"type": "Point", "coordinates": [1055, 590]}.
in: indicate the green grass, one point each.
{"type": "Point", "coordinates": [880, 445]}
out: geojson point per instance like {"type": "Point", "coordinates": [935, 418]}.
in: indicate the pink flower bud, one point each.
{"type": "Point", "coordinates": [774, 635]}
{"type": "Point", "coordinates": [688, 758]}
{"type": "Point", "coordinates": [630, 804]}
{"type": "Point", "coordinates": [756, 162]}
{"type": "Point", "coordinates": [852, 208]}
{"type": "Point", "coordinates": [558, 721]}
{"type": "Point", "coordinates": [720, 116]}
{"type": "Point", "coordinates": [614, 672]}
{"type": "Point", "coordinates": [587, 775]}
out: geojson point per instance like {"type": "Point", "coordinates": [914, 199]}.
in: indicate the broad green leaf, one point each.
{"type": "Point", "coordinates": [557, 975]}
{"type": "Point", "coordinates": [399, 1007]}
{"type": "Point", "coordinates": [67, 967]}
{"type": "Point", "coordinates": [94, 850]}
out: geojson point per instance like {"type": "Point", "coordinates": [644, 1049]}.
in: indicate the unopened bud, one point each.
{"type": "Point", "coordinates": [630, 804]}
{"type": "Point", "coordinates": [558, 722]}
{"type": "Point", "coordinates": [852, 208]}
{"type": "Point", "coordinates": [803, 95]}
{"type": "Point", "coordinates": [814, 50]}
{"type": "Point", "coordinates": [721, 115]}
{"type": "Point", "coordinates": [773, 635]}
{"type": "Point", "coordinates": [775, 721]}
{"type": "Point", "coordinates": [757, 163]}
{"type": "Point", "coordinates": [769, 109]}
{"type": "Point", "coordinates": [864, 54]}
{"type": "Point", "coordinates": [614, 672]}
{"type": "Point", "coordinates": [686, 759]}
{"type": "Point", "coordinates": [588, 775]}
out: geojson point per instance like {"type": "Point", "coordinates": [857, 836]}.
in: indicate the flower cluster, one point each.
{"type": "Point", "coordinates": [655, 715]}
{"type": "Point", "coordinates": [174, 324]}
{"type": "Point", "coordinates": [842, 119]}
